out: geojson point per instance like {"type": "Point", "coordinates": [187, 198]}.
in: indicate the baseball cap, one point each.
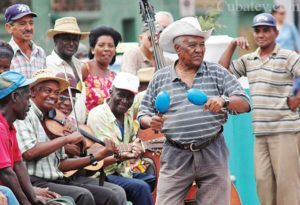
{"type": "Point", "coordinates": [126, 81]}
{"type": "Point", "coordinates": [17, 11]}
{"type": "Point", "coordinates": [264, 19]}
{"type": "Point", "coordinates": [10, 81]}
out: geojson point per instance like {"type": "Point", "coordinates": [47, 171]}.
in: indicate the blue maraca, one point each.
{"type": "Point", "coordinates": [162, 102]}
{"type": "Point", "coordinates": [196, 96]}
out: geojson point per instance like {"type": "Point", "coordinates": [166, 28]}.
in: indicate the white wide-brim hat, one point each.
{"type": "Point", "coordinates": [67, 25]}
{"type": "Point", "coordinates": [187, 26]}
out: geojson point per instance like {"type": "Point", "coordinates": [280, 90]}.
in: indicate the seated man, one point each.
{"type": "Point", "coordinates": [14, 104]}
{"type": "Point", "coordinates": [45, 157]}
{"type": "Point", "coordinates": [112, 121]}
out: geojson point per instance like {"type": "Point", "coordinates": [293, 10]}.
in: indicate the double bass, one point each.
{"type": "Point", "coordinates": [148, 17]}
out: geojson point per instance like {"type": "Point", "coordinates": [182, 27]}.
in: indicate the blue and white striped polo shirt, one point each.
{"type": "Point", "coordinates": [185, 122]}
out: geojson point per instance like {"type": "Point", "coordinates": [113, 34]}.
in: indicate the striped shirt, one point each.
{"type": "Point", "coordinates": [185, 122]}
{"type": "Point", "coordinates": [29, 132]}
{"type": "Point", "coordinates": [270, 82]}
{"type": "Point", "coordinates": [24, 65]}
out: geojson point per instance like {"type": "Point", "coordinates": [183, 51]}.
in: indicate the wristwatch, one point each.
{"type": "Point", "coordinates": [226, 101]}
{"type": "Point", "coordinates": [93, 160]}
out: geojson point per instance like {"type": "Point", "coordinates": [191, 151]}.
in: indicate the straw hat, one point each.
{"type": "Point", "coordinates": [145, 74]}
{"type": "Point", "coordinates": [187, 26]}
{"type": "Point", "coordinates": [43, 75]}
{"type": "Point", "coordinates": [67, 25]}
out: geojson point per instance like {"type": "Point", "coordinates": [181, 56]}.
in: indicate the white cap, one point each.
{"type": "Point", "coordinates": [126, 81]}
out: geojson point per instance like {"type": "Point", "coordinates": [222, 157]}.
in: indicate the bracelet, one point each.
{"type": "Point", "coordinates": [93, 160]}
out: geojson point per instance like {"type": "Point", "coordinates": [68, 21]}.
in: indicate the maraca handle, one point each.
{"type": "Point", "coordinates": [159, 114]}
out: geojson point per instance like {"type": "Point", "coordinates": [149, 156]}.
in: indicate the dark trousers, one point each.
{"type": "Point", "coordinates": [138, 188]}
{"type": "Point", "coordinates": [84, 191]}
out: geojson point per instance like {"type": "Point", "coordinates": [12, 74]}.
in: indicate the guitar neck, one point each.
{"type": "Point", "coordinates": [154, 145]}
{"type": "Point", "coordinates": [125, 147]}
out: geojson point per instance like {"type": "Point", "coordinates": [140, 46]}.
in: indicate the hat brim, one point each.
{"type": "Point", "coordinates": [52, 32]}
{"type": "Point", "coordinates": [121, 88]}
{"type": "Point", "coordinates": [14, 87]}
{"type": "Point", "coordinates": [63, 84]}
{"type": "Point", "coordinates": [73, 89]}
{"type": "Point", "coordinates": [264, 24]}
{"type": "Point", "coordinates": [176, 29]}
{"type": "Point", "coordinates": [22, 15]}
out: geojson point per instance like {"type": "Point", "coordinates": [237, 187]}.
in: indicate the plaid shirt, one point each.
{"type": "Point", "coordinates": [30, 132]}
{"type": "Point", "coordinates": [22, 64]}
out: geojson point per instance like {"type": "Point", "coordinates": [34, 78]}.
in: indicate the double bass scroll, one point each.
{"type": "Point", "coordinates": [148, 17]}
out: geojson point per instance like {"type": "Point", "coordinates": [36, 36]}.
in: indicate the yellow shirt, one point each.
{"type": "Point", "coordinates": [104, 124]}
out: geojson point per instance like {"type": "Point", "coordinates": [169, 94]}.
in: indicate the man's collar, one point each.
{"type": "Point", "coordinates": [110, 116]}
{"type": "Point", "coordinates": [37, 111]}
{"type": "Point", "coordinates": [57, 60]}
{"type": "Point", "coordinates": [3, 120]}
{"type": "Point", "coordinates": [16, 47]}
{"type": "Point", "coordinates": [202, 68]}
{"type": "Point", "coordinates": [256, 54]}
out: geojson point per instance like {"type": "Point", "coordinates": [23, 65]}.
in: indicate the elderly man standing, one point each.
{"type": "Point", "coordinates": [271, 71]}
{"type": "Point", "coordinates": [195, 149]}
{"type": "Point", "coordinates": [66, 35]}
{"type": "Point", "coordinates": [28, 56]}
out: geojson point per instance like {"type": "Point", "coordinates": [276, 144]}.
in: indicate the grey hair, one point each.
{"type": "Point", "coordinates": [166, 13]}
{"type": "Point", "coordinates": [179, 40]}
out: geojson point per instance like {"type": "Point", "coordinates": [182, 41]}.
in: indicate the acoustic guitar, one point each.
{"type": "Point", "coordinates": [152, 146]}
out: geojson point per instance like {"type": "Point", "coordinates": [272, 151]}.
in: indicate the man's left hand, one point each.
{"type": "Point", "coordinates": [214, 104]}
{"type": "Point", "coordinates": [293, 102]}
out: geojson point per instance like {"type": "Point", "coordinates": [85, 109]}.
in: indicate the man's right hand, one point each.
{"type": "Point", "coordinates": [241, 42]}
{"type": "Point", "coordinates": [157, 122]}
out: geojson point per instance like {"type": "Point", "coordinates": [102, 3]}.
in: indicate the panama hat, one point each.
{"type": "Point", "coordinates": [43, 75]}
{"type": "Point", "coordinates": [67, 25]}
{"type": "Point", "coordinates": [10, 81]}
{"type": "Point", "coordinates": [187, 26]}
{"type": "Point", "coordinates": [145, 74]}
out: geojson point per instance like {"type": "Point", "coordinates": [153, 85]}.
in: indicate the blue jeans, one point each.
{"type": "Point", "coordinates": [11, 199]}
{"type": "Point", "coordinates": [138, 188]}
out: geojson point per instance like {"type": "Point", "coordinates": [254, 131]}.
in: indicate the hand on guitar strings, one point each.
{"type": "Point", "coordinates": [100, 152]}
